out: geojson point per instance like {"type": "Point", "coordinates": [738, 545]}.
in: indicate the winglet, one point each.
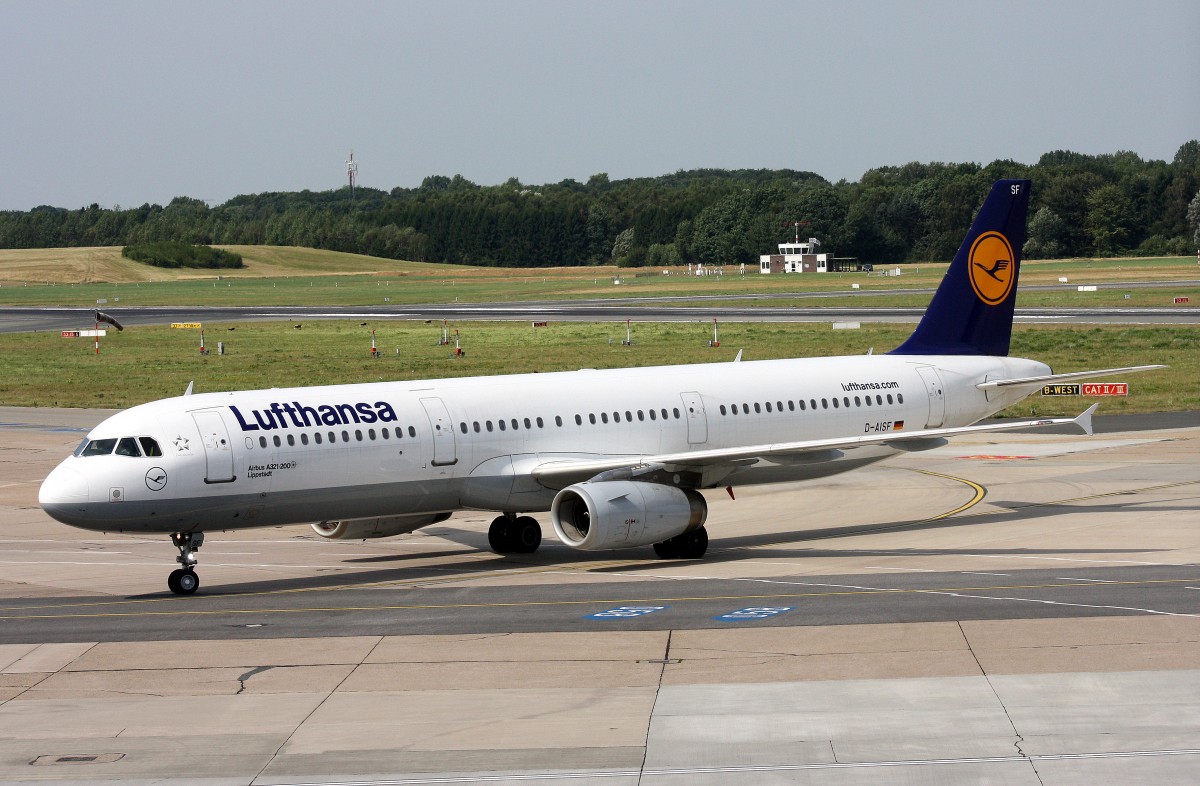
{"type": "Point", "coordinates": [738, 359]}
{"type": "Point", "coordinates": [1084, 421]}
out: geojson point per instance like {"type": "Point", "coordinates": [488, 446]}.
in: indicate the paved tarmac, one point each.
{"type": "Point", "coordinates": [1017, 609]}
{"type": "Point", "coordinates": [22, 319]}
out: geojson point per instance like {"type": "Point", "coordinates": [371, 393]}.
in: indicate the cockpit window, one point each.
{"type": "Point", "coordinates": [128, 447]}
{"type": "Point", "coordinates": [99, 447]}
{"type": "Point", "coordinates": [150, 446]}
{"type": "Point", "coordinates": [82, 445]}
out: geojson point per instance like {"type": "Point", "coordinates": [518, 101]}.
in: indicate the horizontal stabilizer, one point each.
{"type": "Point", "coordinates": [1050, 378]}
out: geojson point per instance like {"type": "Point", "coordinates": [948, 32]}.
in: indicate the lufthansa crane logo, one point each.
{"type": "Point", "coordinates": [991, 267]}
{"type": "Point", "coordinates": [156, 479]}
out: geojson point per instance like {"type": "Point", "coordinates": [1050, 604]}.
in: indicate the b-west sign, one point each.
{"type": "Point", "coordinates": [1087, 389]}
{"type": "Point", "coordinates": [1071, 389]}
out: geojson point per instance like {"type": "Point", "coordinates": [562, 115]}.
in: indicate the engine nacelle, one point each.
{"type": "Point", "coordinates": [619, 514]}
{"type": "Point", "coordinates": [378, 527]}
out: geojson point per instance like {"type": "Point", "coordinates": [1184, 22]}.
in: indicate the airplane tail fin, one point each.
{"type": "Point", "coordinates": [972, 311]}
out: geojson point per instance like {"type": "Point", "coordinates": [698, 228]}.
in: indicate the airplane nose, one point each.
{"type": "Point", "coordinates": [63, 491]}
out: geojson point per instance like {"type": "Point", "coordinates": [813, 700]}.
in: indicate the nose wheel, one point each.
{"type": "Point", "coordinates": [183, 580]}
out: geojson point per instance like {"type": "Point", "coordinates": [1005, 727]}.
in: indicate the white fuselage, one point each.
{"type": "Point", "coordinates": [283, 456]}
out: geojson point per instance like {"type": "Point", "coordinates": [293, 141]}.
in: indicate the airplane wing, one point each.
{"type": "Point", "coordinates": [556, 473]}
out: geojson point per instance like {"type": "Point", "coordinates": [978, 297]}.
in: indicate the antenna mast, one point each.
{"type": "Point", "coordinates": [352, 172]}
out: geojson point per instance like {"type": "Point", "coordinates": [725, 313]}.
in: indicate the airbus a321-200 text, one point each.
{"type": "Point", "coordinates": [618, 457]}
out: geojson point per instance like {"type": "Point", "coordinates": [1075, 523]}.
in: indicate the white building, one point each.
{"type": "Point", "coordinates": [795, 257]}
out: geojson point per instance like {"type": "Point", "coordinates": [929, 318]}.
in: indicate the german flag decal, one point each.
{"type": "Point", "coordinates": [898, 425]}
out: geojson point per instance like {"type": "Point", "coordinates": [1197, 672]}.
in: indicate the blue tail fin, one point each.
{"type": "Point", "coordinates": [972, 311]}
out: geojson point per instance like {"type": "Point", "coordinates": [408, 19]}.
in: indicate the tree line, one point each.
{"type": "Point", "coordinates": [1082, 205]}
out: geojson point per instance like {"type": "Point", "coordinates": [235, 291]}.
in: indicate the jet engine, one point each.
{"type": "Point", "coordinates": [378, 527]}
{"type": "Point", "coordinates": [619, 514]}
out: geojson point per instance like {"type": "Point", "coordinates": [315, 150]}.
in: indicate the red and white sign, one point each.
{"type": "Point", "coordinates": [1106, 388]}
{"type": "Point", "coordinates": [82, 333]}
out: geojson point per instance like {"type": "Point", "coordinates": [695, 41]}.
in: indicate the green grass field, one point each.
{"type": "Point", "coordinates": [288, 276]}
{"type": "Point", "coordinates": [145, 363]}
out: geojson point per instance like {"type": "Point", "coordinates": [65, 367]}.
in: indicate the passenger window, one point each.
{"type": "Point", "coordinates": [128, 447]}
{"type": "Point", "coordinates": [628, 416]}
{"type": "Point", "coordinates": [150, 447]}
{"type": "Point", "coordinates": [387, 434]}
{"type": "Point", "coordinates": [616, 417]}
{"type": "Point", "coordinates": [779, 406]}
{"type": "Point", "coordinates": [889, 398]}
{"type": "Point", "coordinates": [857, 403]}
{"type": "Point", "coordinates": [812, 403]}
{"type": "Point", "coordinates": [540, 423]}
{"type": "Point", "coordinates": [358, 434]}
{"type": "Point", "coordinates": [345, 436]}
{"type": "Point", "coordinates": [578, 421]}
{"type": "Point", "coordinates": [899, 398]}
{"type": "Point", "coordinates": [332, 437]}
{"type": "Point", "coordinates": [528, 425]}
{"type": "Point", "coordinates": [592, 418]}
{"type": "Point", "coordinates": [757, 408]}
{"type": "Point", "coordinates": [663, 412]}
{"type": "Point", "coordinates": [500, 423]}
{"type": "Point", "coordinates": [461, 427]}
{"type": "Point", "coordinates": [652, 415]}
{"type": "Point", "coordinates": [399, 433]}
{"type": "Point", "coordinates": [262, 442]}
{"type": "Point", "coordinates": [291, 440]}
{"type": "Point", "coordinates": [317, 437]}
{"type": "Point", "coordinates": [412, 432]}
{"type": "Point", "coordinates": [604, 417]}
{"type": "Point", "coordinates": [835, 403]}
{"type": "Point", "coordinates": [371, 434]}
{"type": "Point", "coordinates": [641, 415]}
{"type": "Point", "coordinates": [769, 406]}
{"type": "Point", "coordinates": [676, 411]}
{"type": "Point", "coordinates": [303, 439]}
{"type": "Point", "coordinates": [801, 405]}
{"type": "Point", "coordinates": [276, 440]}
{"type": "Point", "coordinates": [846, 401]}
{"type": "Point", "coordinates": [515, 425]}
{"type": "Point", "coordinates": [824, 403]}
{"type": "Point", "coordinates": [475, 425]}
{"type": "Point", "coordinates": [558, 420]}
{"type": "Point", "coordinates": [722, 409]}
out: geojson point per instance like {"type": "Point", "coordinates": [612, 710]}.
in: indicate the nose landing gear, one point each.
{"type": "Point", "coordinates": [183, 580]}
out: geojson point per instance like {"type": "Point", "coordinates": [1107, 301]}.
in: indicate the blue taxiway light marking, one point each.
{"type": "Point", "coordinates": [753, 613]}
{"type": "Point", "coordinates": [624, 612]}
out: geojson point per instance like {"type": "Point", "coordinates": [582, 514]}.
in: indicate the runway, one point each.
{"type": "Point", "coordinates": [756, 309]}
{"type": "Point", "coordinates": [1017, 609]}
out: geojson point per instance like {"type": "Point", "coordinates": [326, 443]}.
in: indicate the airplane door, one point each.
{"type": "Point", "coordinates": [443, 432]}
{"type": "Point", "coordinates": [697, 422]}
{"type": "Point", "coordinates": [937, 395]}
{"type": "Point", "coordinates": [218, 451]}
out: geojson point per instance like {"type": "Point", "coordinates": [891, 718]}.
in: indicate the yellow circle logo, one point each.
{"type": "Point", "coordinates": [991, 267]}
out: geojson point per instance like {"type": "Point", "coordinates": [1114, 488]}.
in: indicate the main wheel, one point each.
{"type": "Point", "coordinates": [667, 549]}
{"type": "Point", "coordinates": [173, 581]}
{"type": "Point", "coordinates": [525, 535]}
{"type": "Point", "coordinates": [499, 535]}
{"type": "Point", "coordinates": [692, 545]}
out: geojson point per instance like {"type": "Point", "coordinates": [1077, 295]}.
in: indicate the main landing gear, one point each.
{"type": "Point", "coordinates": [513, 534]}
{"type": "Point", "coordinates": [689, 545]}
{"type": "Point", "coordinates": [183, 580]}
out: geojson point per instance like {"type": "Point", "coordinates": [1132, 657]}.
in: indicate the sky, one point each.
{"type": "Point", "coordinates": [125, 102]}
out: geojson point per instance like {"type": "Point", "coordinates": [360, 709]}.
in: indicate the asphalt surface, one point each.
{"type": "Point", "coordinates": [23, 319]}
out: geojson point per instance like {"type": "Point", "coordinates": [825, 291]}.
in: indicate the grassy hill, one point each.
{"type": "Point", "coordinates": [106, 265]}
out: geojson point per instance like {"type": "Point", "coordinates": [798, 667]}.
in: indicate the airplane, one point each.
{"type": "Point", "coordinates": [618, 457]}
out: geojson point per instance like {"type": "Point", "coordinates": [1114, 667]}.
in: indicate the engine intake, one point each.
{"type": "Point", "coordinates": [620, 514]}
{"type": "Point", "coordinates": [378, 527]}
